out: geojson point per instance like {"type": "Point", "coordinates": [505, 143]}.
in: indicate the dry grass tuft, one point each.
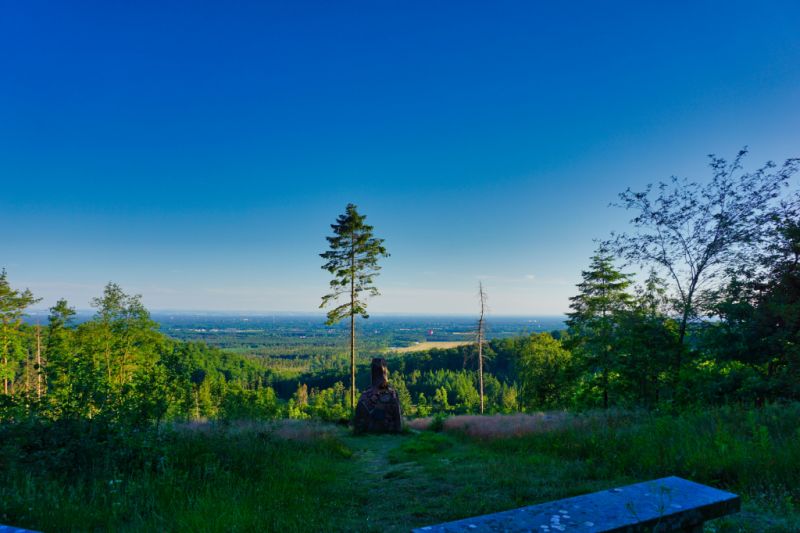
{"type": "Point", "coordinates": [286, 429]}
{"type": "Point", "coordinates": [505, 426]}
{"type": "Point", "coordinates": [306, 430]}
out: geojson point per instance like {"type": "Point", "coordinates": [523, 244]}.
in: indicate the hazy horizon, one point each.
{"type": "Point", "coordinates": [38, 311]}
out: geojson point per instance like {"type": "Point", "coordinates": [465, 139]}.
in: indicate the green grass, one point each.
{"type": "Point", "coordinates": [424, 445]}
{"type": "Point", "coordinates": [292, 477]}
{"type": "Point", "coordinates": [755, 453]}
{"type": "Point", "coordinates": [214, 480]}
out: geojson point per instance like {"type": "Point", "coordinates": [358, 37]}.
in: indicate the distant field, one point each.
{"type": "Point", "coordinates": [425, 346]}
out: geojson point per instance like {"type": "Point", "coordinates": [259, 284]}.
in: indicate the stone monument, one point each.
{"type": "Point", "coordinates": [378, 408]}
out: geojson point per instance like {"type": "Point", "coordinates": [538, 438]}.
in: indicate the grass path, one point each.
{"type": "Point", "coordinates": [396, 482]}
{"type": "Point", "coordinates": [404, 481]}
{"type": "Point", "coordinates": [392, 496]}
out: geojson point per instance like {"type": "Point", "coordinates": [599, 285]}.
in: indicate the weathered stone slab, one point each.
{"type": "Point", "coordinates": [667, 504]}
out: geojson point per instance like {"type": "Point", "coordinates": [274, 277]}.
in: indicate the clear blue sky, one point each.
{"type": "Point", "coordinates": [196, 154]}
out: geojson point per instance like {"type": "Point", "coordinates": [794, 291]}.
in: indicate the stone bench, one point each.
{"type": "Point", "coordinates": [667, 504]}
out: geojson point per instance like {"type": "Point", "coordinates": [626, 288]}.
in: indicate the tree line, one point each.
{"type": "Point", "coordinates": [118, 366]}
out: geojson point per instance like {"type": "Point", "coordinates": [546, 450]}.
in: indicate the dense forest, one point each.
{"type": "Point", "coordinates": [118, 366]}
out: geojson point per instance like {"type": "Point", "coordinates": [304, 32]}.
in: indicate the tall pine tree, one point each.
{"type": "Point", "coordinates": [595, 311]}
{"type": "Point", "coordinates": [352, 259]}
{"type": "Point", "coordinates": [63, 364]}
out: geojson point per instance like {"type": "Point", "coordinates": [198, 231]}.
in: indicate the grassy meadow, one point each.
{"type": "Point", "coordinates": [296, 475]}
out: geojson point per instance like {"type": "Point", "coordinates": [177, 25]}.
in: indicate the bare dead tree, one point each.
{"type": "Point", "coordinates": [481, 338]}
{"type": "Point", "coordinates": [27, 375]}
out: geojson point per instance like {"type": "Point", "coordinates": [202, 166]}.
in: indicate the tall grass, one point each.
{"type": "Point", "coordinates": [500, 426]}
{"type": "Point", "coordinates": [302, 476]}
{"type": "Point", "coordinates": [754, 452]}
{"type": "Point", "coordinates": [78, 477]}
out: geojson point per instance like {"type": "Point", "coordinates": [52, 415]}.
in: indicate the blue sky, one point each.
{"type": "Point", "coordinates": [197, 153]}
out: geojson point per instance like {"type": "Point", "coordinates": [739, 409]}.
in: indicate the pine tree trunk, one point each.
{"type": "Point", "coordinates": [5, 358]}
{"type": "Point", "coordinates": [681, 340]}
{"type": "Point", "coordinates": [353, 363]}
{"type": "Point", "coordinates": [38, 361]}
{"type": "Point", "coordinates": [352, 335]}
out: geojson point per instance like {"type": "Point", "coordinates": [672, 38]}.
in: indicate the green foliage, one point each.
{"type": "Point", "coordinates": [353, 261]}
{"type": "Point", "coordinates": [119, 368]}
{"type": "Point", "coordinates": [545, 373]}
{"type": "Point", "coordinates": [440, 401]}
{"type": "Point", "coordinates": [253, 404]}
{"type": "Point", "coordinates": [423, 407]}
{"type": "Point", "coordinates": [759, 313]}
{"type": "Point", "coordinates": [593, 323]}
{"type": "Point", "coordinates": [437, 423]}
{"type": "Point", "coordinates": [63, 363]}
{"type": "Point", "coordinates": [648, 344]}
{"type": "Point", "coordinates": [12, 307]}
{"type": "Point", "coordinates": [403, 394]}
{"type": "Point", "coordinates": [330, 404]}
{"type": "Point", "coordinates": [509, 401]}
{"type": "Point", "coordinates": [696, 233]}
